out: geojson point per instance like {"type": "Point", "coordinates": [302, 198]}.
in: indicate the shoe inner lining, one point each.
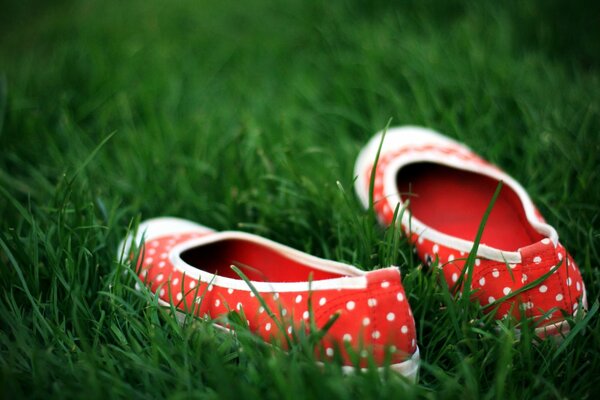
{"type": "Point", "coordinates": [256, 261]}
{"type": "Point", "coordinates": [453, 202]}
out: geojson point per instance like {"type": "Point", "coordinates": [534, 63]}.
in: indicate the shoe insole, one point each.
{"type": "Point", "coordinates": [454, 201]}
{"type": "Point", "coordinates": [257, 262]}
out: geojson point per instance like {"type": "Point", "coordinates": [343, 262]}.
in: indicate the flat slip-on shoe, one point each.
{"type": "Point", "coordinates": [189, 266]}
{"type": "Point", "coordinates": [445, 189]}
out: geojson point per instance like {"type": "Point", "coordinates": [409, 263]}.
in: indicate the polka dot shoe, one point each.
{"type": "Point", "coordinates": [190, 265]}
{"type": "Point", "coordinates": [447, 188]}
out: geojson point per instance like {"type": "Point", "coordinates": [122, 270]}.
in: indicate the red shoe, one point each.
{"type": "Point", "coordinates": [449, 188]}
{"type": "Point", "coordinates": [190, 265]}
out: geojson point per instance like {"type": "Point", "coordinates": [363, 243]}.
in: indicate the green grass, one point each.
{"type": "Point", "coordinates": [249, 116]}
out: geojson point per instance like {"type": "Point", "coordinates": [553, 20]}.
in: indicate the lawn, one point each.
{"type": "Point", "coordinates": [249, 116]}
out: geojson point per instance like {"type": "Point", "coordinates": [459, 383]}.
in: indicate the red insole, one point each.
{"type": "Point", "coordinates": [453, 201]}
{"type": "Point", "coordinates": [257, 262]}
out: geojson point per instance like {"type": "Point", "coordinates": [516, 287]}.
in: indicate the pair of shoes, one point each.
{"type": "Point", "coordinates": [445, 189]}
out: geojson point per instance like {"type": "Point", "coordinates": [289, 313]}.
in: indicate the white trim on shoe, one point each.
{"type": "Point", "coordinates": [156, 227]}
{"type": "Point", "coordinates": [353, 278]}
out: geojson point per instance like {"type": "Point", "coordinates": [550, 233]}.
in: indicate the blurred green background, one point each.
{"type": "Point", "coordinates": [249, 116]}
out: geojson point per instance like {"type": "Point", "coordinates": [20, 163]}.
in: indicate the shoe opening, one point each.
{"type": "Point", "coordinates": [453, 202]}
{"type": "Point", "coordinates": [258, 262]}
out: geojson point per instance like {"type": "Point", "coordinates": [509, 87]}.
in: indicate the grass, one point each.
{"type": "Point", "coordinates": [249, 116]}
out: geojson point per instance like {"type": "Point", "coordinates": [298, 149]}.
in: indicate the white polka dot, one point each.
{"type": "Point", "coordinates": [491, 299]}
{"type": "Point", "coordinates": [268, 326]}
{"type": "Point", "coordinates": [524, 278]}
{"type": "Point", "coordinates": [159, 277]}
{"type": "Point", "coordinates": [350, 305]}
{"type": "Point", "coordinates": [161, 264]}
{"type": "Point", "coordinates": [298, 298]}
{"type": "Point", "coordinates": [481, 281]}
{"type": "Point", "coordinates": [451, 258]}
{"type": "Point", "coordinates": [364, 353]}
{"type": "Point", "coordinates": [230, 291]}
{"type": "Point", "coordinates": [192, 284]}
{"type": "Point", "coordinates": [276, 296]}
{"type": "Point", "coordinates": [289, 330]}
{"type": "Point", "coordinates": [164, 255]}
{"type": "Point", "coordinates": [217, 302]}
{"type": "Point", "coordinates": [454, 277]}
{"type": "Point", "coordinates": [322, 301]}
{"type": "Point", "coordinates": [179, 296]}
{"type": "Point", "coordinates": [560, 256]}
{"type": "Point", "coordinates": [578, 286]}
{"type": "Point", "coordinates": [477, 262]}
{"type": "Point", "coordinates": [329, 351]}
{"type": "Point", "coordinates": [376, 335]}
{"type": "Point", "coordinates": [305, 315]}
{"type": "Point", "coordinates": [506, 291]}
{"type": "Point", "coordinates": [175, 281]}
{"type": "Point", "coordinates": [239, 306]}
{"type": "Point", "coordinates": [366, 321]}
{"type": "Point", "coordinates": [283, 312]}
{"type": "Point", "coordinates": [151, 251]}
{"type": "Point", "coordinates": [347, 337]}
{"type": "Point", "coordinates": [420, 240]}
{"type": "Point", "coordinates": [252, 294]}
{"type": "Point", "coordinates": [390, 316]}
{"type": "Point", "coordinates": [404, 329]}
{"type": "Point", "coordinates": [559, 297]}
{"type": "Point", "coordinates": [198, 300]}
{"type": "Point", "coordinates": [436, 248]}
{"type": "Point", "coordinates": [210, 288]}
{"type": "Point", "coordinates": [512, 266]}
{"type": "Point", "coordinates": [149, 260]}
{"type": "Point", "coordinates": [261, 309]}
{"type": "Point", "coordinates": [543, 289]}
{"type": "Point", "coordinates": [537, 259]}
{"type": "Point", "coordinates": [495, 273]}
{"type": "Point", "coordinates": [372, 302]}
{"type": "Point", "coordinates": [385, 284]}
{"type": "Point", "coordinates": [400, 296]}
{"type": "Point", "coordinates": [162, 292]}
{"type": "Point", "coordinates": [569, 281]}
